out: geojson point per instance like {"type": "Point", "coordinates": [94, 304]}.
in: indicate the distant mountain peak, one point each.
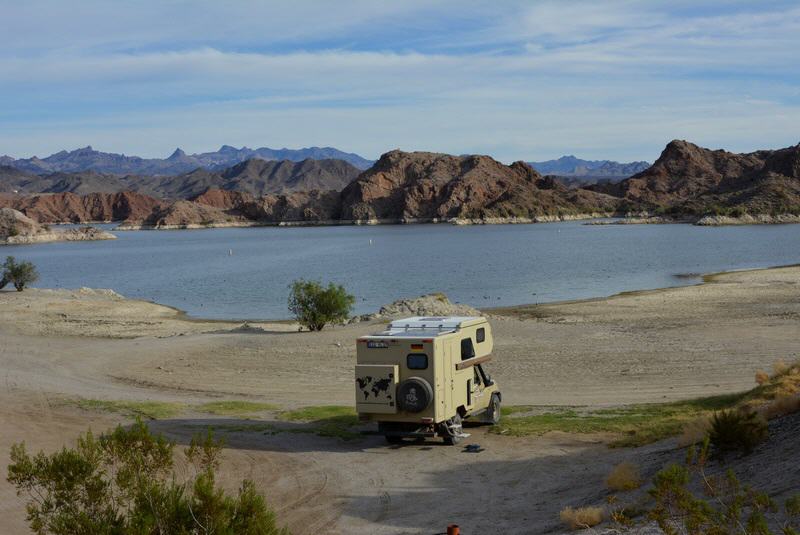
{"type": "Point", "coordinates": [177, 154]}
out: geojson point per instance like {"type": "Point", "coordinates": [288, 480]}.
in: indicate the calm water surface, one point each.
{"type": "Point", "coordinates": [484, 266]}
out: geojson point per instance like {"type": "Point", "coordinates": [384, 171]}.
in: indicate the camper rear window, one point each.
{"type": "Point", "coordinates": [480, 335]}
{"type": "Point", "coordinates": [417, 361]}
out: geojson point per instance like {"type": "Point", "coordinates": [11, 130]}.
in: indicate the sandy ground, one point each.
{"type": "Point", "coordinates": [638, 347]}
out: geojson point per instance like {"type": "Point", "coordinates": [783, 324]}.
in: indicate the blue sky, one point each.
{"type": "Point", "coordinates": [528, 80]}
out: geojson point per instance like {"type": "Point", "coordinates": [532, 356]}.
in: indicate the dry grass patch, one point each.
{"type": "Point", "coordinates": [634, 425]}
{"type": "Point", "coordinates": [762, 377]}
{"type": "Point", "coordinates": [781, 406]}
{"type": "Point", "coordinates": [624, 476]}
{"type": "Point", "coordinates": [235, 408]}
{"type": "Point", "coordinates": [784, 382]}
{"type": "Point", "coordinates": [325, 421]}
{"type": "Point", "coordinates": [582, 517]}
{"type": "Point", "coordinates": [152, 410]}
{"type": "Point", "coordinates": [780, 367]}
{"type": "Point", "coordinates": [694, 431]}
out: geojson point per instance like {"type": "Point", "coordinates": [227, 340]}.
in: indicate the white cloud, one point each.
{"type": "Point", "coordinates": [612, 79]}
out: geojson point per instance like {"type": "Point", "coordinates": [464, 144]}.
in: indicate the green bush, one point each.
{"type": "Point", "coordinates": [315, 306]}
{"type": "Point", "coordinates": [793, 506]}
{"type": "Point", "coordinates": [19, 274]}
{"type": "Point", "coordinates": [725, 505]}
{"type": "Point", "coordinates": [737, 430]}
{"type": "Point", "coordinates": [123, 483]}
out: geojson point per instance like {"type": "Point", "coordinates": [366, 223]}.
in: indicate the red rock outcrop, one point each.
{"type": "Point", "coordinates": [224, 199]}
{"type": "Point", "coordinates": [426, 186]}
{"type": "Point", "coordinates": [181, 214]}
{"type": "Point", "coordinates": [72, 208]}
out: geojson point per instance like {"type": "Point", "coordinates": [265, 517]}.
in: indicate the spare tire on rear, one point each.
{"type": "Point", "coordinates": [414, 394]}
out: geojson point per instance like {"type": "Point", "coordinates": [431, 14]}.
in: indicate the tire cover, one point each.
{"type": "Point", "coordinates": [414, 394]}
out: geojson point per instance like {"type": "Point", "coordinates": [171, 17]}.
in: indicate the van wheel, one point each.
{"type": "Point", "coordinates": [492, 416]}
{"type": "Point", "coordinates": [452, 430]}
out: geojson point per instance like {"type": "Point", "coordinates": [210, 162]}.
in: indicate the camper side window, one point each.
{"type": "Point", "coordinates": [467, 349]}
{"type": "Point", "coordinates": [480, 335]}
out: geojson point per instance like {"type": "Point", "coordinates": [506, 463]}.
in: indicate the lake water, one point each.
{"type": "Point", "coordinates": [493, 265]}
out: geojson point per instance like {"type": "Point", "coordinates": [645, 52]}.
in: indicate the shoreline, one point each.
{"type": "Point", "coordinates": [702, 279]}
{"type": "Point", "coordinates": [372, 222]}
{"type": "Point", "coordinates": [510, 310]}
{"type": "Point", "coordinates": [602, 218]}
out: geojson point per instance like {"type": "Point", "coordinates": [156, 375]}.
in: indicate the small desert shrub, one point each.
{"type": "Point", "coordinates": [737, 430]}
{"type": "Point", "coordinates": [20, 274]}
{"type": "Point", "coordinates": [762, 377]}
{"type": "Point", "coordinates": [694, 431]}
{"type": "Point", "coordinates": [582, 517]}
{"type": "Point", "coordinates": [780, 367]}
{"type": "Point", "coordinates": [624, 476]}
{"type": "Point", "coordinates": [725, 505]}
{"type": "Point", "coordinates": [315, 306]}
{"type": "Point", "coordinates": [786, 391]}
{"type": "Point", "coordinates": [781, 406]}
{"type": "Point", "coordinates": [124, 482]}
{"type": "Point", "coordinates": [793, 506]}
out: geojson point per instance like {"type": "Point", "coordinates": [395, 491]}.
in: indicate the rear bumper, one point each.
{"type": "Point", "coordinates": [407, 430]}
{"type": "Point", "coordinates": [411, 434]}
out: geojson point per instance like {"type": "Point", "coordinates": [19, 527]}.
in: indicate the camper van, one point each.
{"type": "Point", "coordinates": [423, 376]}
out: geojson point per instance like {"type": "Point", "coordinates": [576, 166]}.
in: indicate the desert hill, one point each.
{"type": "Point", "coordinates": [424, 185]}
{"type": "Point", "coordinates": [689, 179]}
{"type": "Point", "coordinates": [259, 177]}
{"type": "Point", "coordinates": [71, 208]}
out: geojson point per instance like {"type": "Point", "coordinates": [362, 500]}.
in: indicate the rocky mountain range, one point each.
{"type": "Point", "coordinates": [686, 180]}
{"type": "Point", "coordinates": [691, 180]}
{"type": "Point", "coordinates": [401, 186]}
{"type": "Point", "coordinates": [88, 159]}
{"type": "Point", "coordinates": [255, 176]}
{"type": "Point", "coordinates": [581, 172]}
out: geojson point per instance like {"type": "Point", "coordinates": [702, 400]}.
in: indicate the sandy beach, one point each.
{"type": "Point", "coordinates": [651, 346]}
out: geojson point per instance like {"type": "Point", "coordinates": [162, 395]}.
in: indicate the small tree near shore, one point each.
{"type": "Point", "coordinates": [20, 274]}
{"type": "Point", "coordinates": [315, 306]}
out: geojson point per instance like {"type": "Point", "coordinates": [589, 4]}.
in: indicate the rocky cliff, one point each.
{"type": "Point", "coordinates": [72, 208]}
{"type": "Point", "coordinates": [429, 186]}
{"type": "Point", "coordinates": [16, 228]}
{"type": "Point", "coordinates": [307, 206]}
{"type": "Point", "coordinates": [688, 179]}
